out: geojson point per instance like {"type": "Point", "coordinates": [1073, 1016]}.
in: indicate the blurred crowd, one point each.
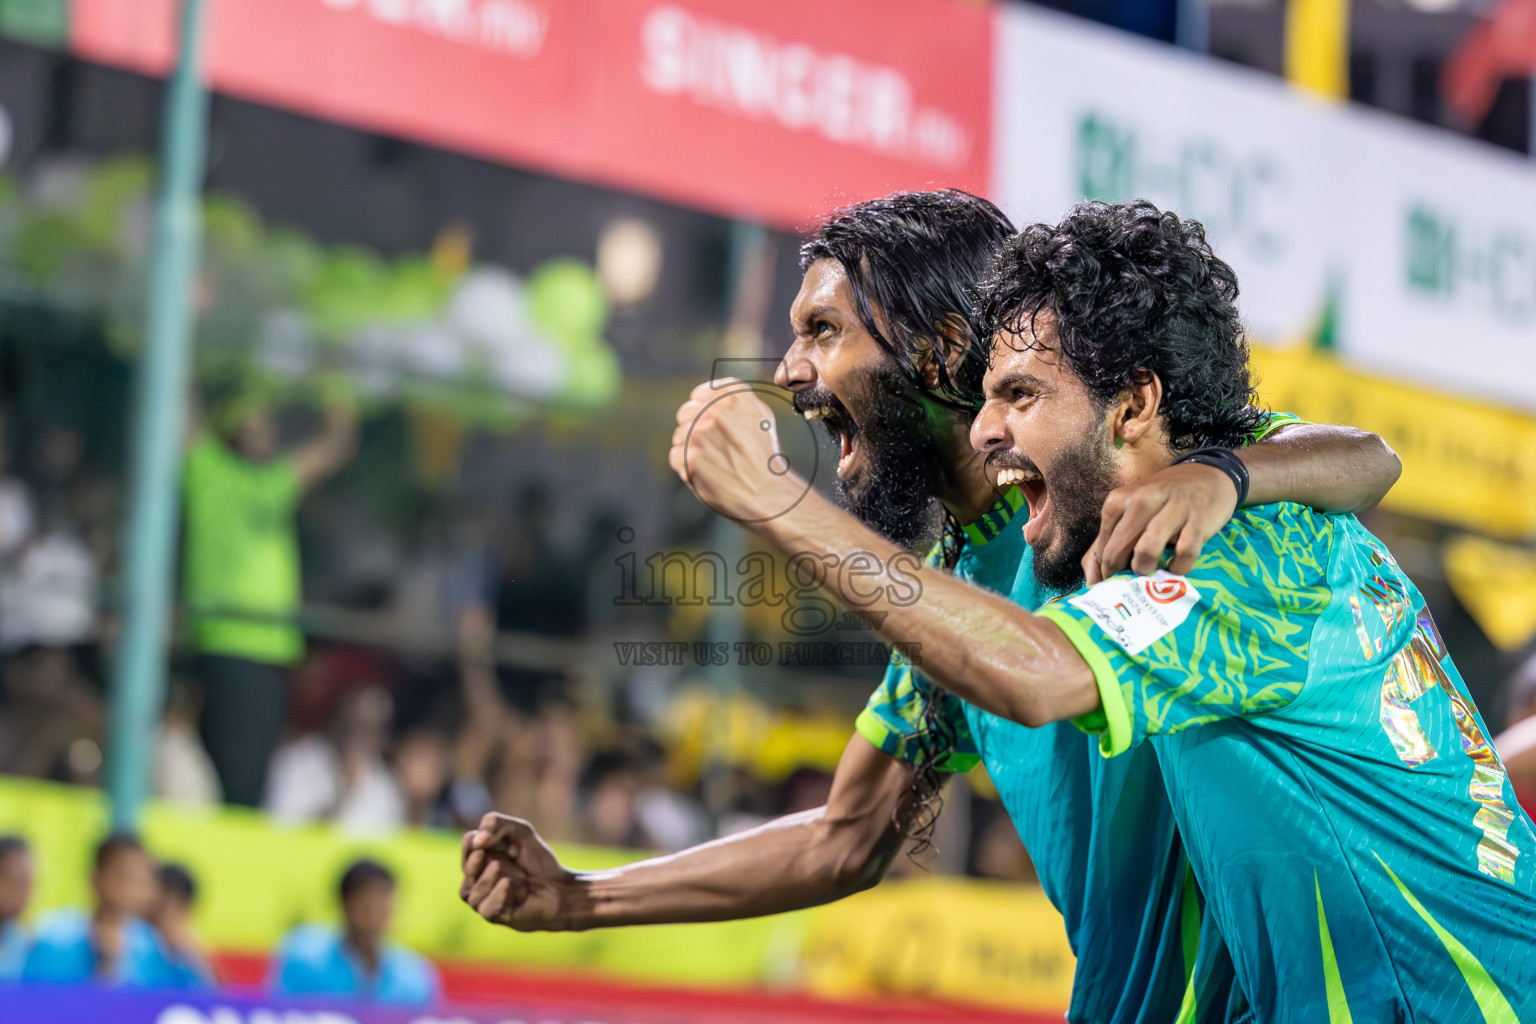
{"type": "Point", "coordinates": [137, 932]}
{"type": "Point", "coordinates": [384, 732]}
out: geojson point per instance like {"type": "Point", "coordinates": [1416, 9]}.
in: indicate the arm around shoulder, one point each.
{"type": "Point", "coordinates": [1330, 468]}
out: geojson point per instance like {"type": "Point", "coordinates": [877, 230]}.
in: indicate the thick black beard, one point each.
{"type": "Point", "coordinates": [894, 492]}
{"type": "Point", "coordinates": [1080, 479]}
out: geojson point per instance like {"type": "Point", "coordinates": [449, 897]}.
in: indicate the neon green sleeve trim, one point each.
{"type": "Point", "coordinates": [1276, 421]}
{"type": "Point", "coordinates": [893, 744]}
{"type": "Point", "coordinates": [869, 726]}
{"type": "Point", "coordinates": [1115, 736]}
{"type": "Point", "coordinates": [957, 763]}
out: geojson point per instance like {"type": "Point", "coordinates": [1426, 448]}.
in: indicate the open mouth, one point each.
{"type": "Point", "coordinates": [834, 416]}
{"type": "Point", "coordinates": [1032, 484]}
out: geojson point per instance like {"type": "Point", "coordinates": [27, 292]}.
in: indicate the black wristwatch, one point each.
{"type": "Point", "coordinates": [1226, 460]}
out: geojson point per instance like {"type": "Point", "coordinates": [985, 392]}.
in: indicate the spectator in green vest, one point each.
{"type": "Point", "coordinates": [241, 579]}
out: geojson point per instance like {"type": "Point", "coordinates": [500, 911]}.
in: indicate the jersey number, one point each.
{"type": "Point", "coordinates": [1414, 671]}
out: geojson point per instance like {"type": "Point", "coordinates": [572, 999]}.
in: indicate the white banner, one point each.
{"type": "Point", "coordinates": [1440, 243]}
{"type": "Point", "coordinates": [1426, 239]}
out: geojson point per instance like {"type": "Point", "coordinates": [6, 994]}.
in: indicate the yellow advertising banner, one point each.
{"type": "Point", "coordinates": [257, 880]}
{"type": "Point", "coordinates": [1464, 462]}
{"type": "Point", "coordinates": [953, 939]}
{"type": "Point", "coordinates": [942, 938]}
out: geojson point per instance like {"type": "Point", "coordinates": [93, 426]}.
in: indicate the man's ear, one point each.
{"type": "Point", "coordinates": [1136, 414]}
{"type": "Point", "coordinates": [948, 343]}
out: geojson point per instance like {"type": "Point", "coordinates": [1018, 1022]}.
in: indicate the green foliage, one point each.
{"type": "Point", "coordinates": [344, 291]}
{"type": "Point", "coordinates": [299, 321]}
{"type": "Point", "coordinates": [110, 192]}
{"type": "Point", "coordinates": [414, 291]}
{"type": "Point", "coordinates": [593, 378]}
{"type": "Point", "coordinates": [88, 227]}
{"type": "Point", "coordinates": [231, 225]}
{"type": "Point", "coordinates": [43, 240]}
{"type": "Point", "coordinates": [566, 302]}
{"type": "Point", "coordinates": [293, 256]}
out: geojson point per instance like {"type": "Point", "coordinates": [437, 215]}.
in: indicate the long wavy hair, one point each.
{"type": "Point", "coordinates": [915, 261]}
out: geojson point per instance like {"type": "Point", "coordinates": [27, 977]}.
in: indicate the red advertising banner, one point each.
{"type": "Point", "coordinates": [788, 108]}
{"type": "Point", "coordinates": [490, 77]}
{"type": "Point", "coordinates": [769, 111]}
{"type": "Point", "coordinates": [520, 1002]}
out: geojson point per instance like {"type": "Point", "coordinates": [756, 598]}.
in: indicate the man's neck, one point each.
{"type": "Point", "coordinates": [108, 937]}
{"type": "Point", "coordinates": [177, 932]}
{"type": "Point", "coordinates": [367, 949]}
{"type": "Point", "coordinates": [1148, 455]}
{"type": "Point", "coordinates": [106, 917]}
{"type": "Point", "coordinates": [965, 490]}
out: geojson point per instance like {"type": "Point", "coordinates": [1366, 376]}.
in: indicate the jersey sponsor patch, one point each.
{"type": "Point", "coordinates": [1137, 611]}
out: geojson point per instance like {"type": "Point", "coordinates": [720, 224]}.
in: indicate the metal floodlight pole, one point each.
{"type": "Point", "coordinates": [160, 411]}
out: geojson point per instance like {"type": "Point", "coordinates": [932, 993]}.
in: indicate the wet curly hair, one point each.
{"type": "Point", "coordinates": [1134, 291]}
{"type": "Point", "coordinates": [917, 257]}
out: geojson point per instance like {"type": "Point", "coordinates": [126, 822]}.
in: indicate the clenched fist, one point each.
{"type": "Point", "coordinates": [511, 877]}
{"type": "Point", "coordinates": [726, 447]}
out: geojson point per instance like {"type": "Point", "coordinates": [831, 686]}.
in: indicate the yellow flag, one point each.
{"type": "Point", "coordinates": [1317, 46]}
{"type": "Point", "coordinates": [1497, 584]}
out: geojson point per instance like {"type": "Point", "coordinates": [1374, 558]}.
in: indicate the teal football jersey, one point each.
{"type": "Point", "coordinates": [1349, 822]}
{"type": "Point", "coordinates": [1100, 832]}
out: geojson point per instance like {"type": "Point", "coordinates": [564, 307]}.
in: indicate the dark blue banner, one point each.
{"type": "Point", "coordinates": [82, 1004]}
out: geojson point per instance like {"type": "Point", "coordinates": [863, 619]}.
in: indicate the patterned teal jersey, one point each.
{"type": "Point", "coordinates": [1100, 832]}
{"type": "Point", "coordinates": [1347, 818]}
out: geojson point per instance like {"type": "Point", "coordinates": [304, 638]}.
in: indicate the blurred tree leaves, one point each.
{"type": "Point", "coordinates": [299, 320]}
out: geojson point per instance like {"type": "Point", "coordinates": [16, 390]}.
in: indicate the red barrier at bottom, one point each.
{"type": "Point", "coordinates": [605, 1000]}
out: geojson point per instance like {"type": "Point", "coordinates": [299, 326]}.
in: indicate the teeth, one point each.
{"type": "Point", "coordinates": [820, 412]}
{"type": "Point", "coordinates": [1008, 477]}
{"type": "Point", "coordinates": [843, 465]}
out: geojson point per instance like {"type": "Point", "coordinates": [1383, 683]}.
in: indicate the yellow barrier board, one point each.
{"type": "Point", "coordinates": [1497, 584]}
{"type": "Point", "coordinates": [257, 880]}
{"type": "Point", "coordinates": [964, 940]}
{"type": "Point", "coordinates": [1464, 462]}
{"type": "Point", "coordinates": [941, 938]}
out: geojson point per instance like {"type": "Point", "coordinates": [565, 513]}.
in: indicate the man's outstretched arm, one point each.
{"type": "Point", "coordinates": [1329, 468]}
{"type": "Point", "coordinates": [512, 878]}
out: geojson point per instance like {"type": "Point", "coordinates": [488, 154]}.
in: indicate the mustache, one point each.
{"type": "Point", "coordinates": [1012, 459]}
{"type": "Point", "coordinates": [815, 398]}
